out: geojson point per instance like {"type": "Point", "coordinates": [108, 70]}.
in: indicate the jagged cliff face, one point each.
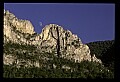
{"type": "Point", "coordinates": [24, 26]}
{"type": "Point", "coordinates": [70, 45]}
{"type": "Point", "coordinates": [52, 39]}
{"type": "Point", "coordinates": [14, 28]}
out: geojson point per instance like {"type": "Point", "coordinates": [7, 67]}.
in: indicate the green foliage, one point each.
{"type": "Point", "coordinates": [100, 47]}
{"type": "Point", "coordinates": [104, 50]}
{"type": "Point", "coordinates": [14, 49]}
{"type": "Point", "coordinates": [18, 46]}
{"type": "Point", "coordinates": [85, 69]}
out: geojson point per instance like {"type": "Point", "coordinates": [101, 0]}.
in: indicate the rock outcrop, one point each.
{"type": "Point", "coordinates": [14, 28]}
{"type": "Point", "coordinates": [53, 38]}
{"type": "Point", "coordinates": [24, 26]}
{"type": "Point", "coordinates": [68, 44]}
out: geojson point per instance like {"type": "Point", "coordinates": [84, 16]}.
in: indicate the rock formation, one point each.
{"type": "Point", "coordinates": [53, 38]}
{"type": "Point", "coordinates": [70, 45]}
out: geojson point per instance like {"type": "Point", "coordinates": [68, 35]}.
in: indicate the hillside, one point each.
{"type": "Point", "coordinates": [104, 50]}
{"type": "Point", "coordinates": [54, 53]}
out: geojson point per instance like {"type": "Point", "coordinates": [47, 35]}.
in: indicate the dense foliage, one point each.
{"type": "Point", "coordinates": [104, 50]}
{"type": "Point", "coordinates": [85, 69]}
{"type": "Point", "coordinates": [82, 70]}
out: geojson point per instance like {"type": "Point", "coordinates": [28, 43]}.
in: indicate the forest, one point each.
{"type": "Point", "coordinates": [103, 50]}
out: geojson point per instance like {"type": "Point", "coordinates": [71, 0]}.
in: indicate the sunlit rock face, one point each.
{"type": "Point", "coordinates": [52, 39]}
{"type": "Point", "coordinates": [24, 26]}
{"type": "Point", "coordinates": [14, 28]}
{"type": "Point", "coordinates": [71, 46]}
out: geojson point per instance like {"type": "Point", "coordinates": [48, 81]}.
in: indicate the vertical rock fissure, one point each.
{"type": "Point", "coordinates": [58, 43]}
{"type": "Point", "coordinates": [66, 41]}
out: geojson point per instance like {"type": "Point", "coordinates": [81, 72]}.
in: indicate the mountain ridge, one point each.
{"type": "Point", "coordinates": [53, 52]}
{"type": "Point", "coordinates": [53, 38]}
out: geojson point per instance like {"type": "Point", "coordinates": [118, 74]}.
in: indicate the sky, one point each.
{"type": "Point", "coordinates": [89, 21]}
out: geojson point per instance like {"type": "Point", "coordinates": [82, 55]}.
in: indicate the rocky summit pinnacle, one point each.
{"type": "Point", "coordinates": [53, 38]}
